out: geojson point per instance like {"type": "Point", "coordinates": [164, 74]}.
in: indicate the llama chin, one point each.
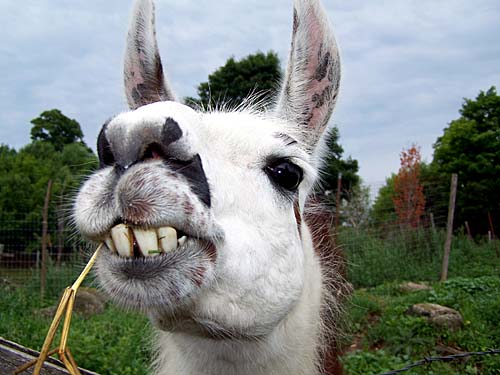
{"type": "Point", "coordinates": [204, 213]}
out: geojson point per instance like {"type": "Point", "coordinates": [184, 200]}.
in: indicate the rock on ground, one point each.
{"type": "Point", "coordinates": [441, 316]}
{"type": "Point", "coordinates": [413, 287]}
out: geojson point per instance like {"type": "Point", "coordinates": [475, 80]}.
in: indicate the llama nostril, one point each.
{"type": "Point", "coordinates": [153, 151]}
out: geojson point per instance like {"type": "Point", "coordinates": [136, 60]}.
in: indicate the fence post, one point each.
{"type": "Point", "coordinates": [467, 228]}
{"type": "Point", "coordinates": [433, 224]}
{"type": "Point", "coordinates": [45, 255]}
{"type": "Point", "coordinates": [493, 235]}
{"type": "Point", "coordinates": [449, 227]}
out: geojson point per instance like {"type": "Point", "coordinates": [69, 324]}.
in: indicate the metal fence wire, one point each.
{"type": "Point", "coordinates": [447, 358]}
{"type": "Point", "coordinates": [20, 252]}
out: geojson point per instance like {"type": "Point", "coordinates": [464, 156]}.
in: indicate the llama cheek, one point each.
{"type": "Point", "coordinates": [257, 285]}
{"type": "Point", "coordinates": [94, 208]}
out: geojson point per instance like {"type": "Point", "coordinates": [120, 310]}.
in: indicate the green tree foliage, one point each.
{"type": "Point", "coordinates": [356, 208]}
{"type": "Point", "coordinates": [383, 211]}
{"type": "Point", "coordinates": [24, 175]}
{"type": "Point", "coordinates": [63, 158]}
{"type": "Point", "coordinates": [335, 164]}
{"type": "Point", "coordinates": [258, 73]}
{"type": "Point", "coordinates": [470, 146]}
{"type": "Point", "coordinates": [54, 127]}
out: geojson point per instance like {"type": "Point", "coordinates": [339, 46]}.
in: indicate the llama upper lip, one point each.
{"type": "Point", "coordinates": [131, 241]}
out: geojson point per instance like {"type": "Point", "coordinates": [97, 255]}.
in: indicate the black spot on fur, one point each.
{"type": "Point", "coordinates": [323, 97]}
{"type": "Point", "coordinates": [306, 116]}
{"type": "Point", "coordinates": [323, 66]}
{"type": "Point", "coordinates": [104, 151]}
{"type": "Point", "coordinates": [330, 73]}
{"type": "Point", "coordinates": [170, 132]}
{"type": "Point", "coordinates": [136, 95]}
{"type": "Point", "coordinates": [193, 171]}
{"type": "Point", "coordinates": [295, 21]}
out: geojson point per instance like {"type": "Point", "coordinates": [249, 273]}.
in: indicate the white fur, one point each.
{"type": "Point", "coordinates": [255, 308]}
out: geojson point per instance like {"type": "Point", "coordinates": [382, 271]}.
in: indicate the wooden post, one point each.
{"type": "Point", "coordinates": [449, 227]}
{"type": "Point", "coordinates": [433, 224]}
{"type": "Point", "coordinates": [492, 229]}
{"type": "Point", "coordinates": [467, 228]}
{"type": "Point", "coordinates": [337, 213]}
{"type": "Point", "coordinates": [45, 255]}
{"type": "Point", "coordinates": [60, 225]}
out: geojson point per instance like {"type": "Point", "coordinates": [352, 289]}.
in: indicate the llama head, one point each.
{"type": "Point", "coordinates": [200, 211]}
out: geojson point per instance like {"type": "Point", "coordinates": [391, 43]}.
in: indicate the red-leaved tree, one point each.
{"type": "Point", "coordinates": [409, 199]}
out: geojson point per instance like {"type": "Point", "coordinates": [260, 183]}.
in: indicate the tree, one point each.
{"type": "Point", "coordinates": [383, 212]}
{"type": "Point", "coordinates": [470, 147]}
{"type": "Point", "coordinates": [236, 80]}
{"type": "Point", "coordinates": [60, 156]}
{"type": "Point", "coordinates": [335, 164]}
{"type": "Point", "coordinates": [356, 208]}
{"type": "Point", "coordinates": [408, 198]}
{"type": "Point", "coordinates": [24, 175]}
{"type": "Point", "coordinates": [54, 127]}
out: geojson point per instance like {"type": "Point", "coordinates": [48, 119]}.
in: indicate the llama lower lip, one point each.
{"type": "Point", "coordinates": [160, 281]}
{"type": "Point", "coordinates": [149, 267]}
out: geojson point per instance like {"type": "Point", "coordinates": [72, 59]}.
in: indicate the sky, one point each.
{"type": "Point", "coordinates": [406, 64]}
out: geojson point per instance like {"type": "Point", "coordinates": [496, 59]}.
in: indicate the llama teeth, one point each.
{"type": "Point", "coordinates": [146, 241]}
{"type": "Point", "coordinates": [123, 239]}
{"type": "Point", "coordinates": [167, 238]}
{"type": "Point", "coordinates": [181, 241]}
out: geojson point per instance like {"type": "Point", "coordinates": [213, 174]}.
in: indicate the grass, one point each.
{"type": "Point", "coordinates": [388, 338]}
{"type": "Point", "coordinates": [114, 342]}
{"type": "Point", "coordinates": [385, 337]}
{"type": "Point", "coordinates": [412, 256]}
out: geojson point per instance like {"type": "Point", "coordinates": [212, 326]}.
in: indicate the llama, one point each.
{"type": "Point", "coordinates": [203, 212]}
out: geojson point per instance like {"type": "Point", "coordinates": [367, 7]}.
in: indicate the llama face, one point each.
{"type": "Point", "coordinates": [200, 211]}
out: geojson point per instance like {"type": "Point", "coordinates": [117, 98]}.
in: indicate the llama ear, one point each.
{"type": "Point", "coordinates": [143, 72]}
{"type": "Point", "coordinates": [311, 84]}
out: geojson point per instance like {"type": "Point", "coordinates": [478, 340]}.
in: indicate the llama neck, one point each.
{"type": "Point", "coordinates": [290, 349]}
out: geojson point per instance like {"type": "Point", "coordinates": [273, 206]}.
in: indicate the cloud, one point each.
{"type": "Point", "coordinates": [406, 64]}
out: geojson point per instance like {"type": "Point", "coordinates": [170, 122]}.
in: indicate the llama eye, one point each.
{"type": "Point", "coordinates": [286, 174]}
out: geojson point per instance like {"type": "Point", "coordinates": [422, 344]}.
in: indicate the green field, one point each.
{"type": "Point", "coordinates": [380, 334]}
{"type": "Point", "coordinates": [114, 342]}
{"type": "Point", "coordinates": [387, 338]}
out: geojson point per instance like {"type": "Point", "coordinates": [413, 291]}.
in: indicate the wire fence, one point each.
{"type": "Point", "coordinates": [379, 244]}
{"type": "Point", "coordinates": [383, 244]}
{"type": "Point", "coordinates": [21, 257]}
{"type": "Point", "coordinates": [447, 358]}
{"type": "Point", "coordinates": [370, 232]}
